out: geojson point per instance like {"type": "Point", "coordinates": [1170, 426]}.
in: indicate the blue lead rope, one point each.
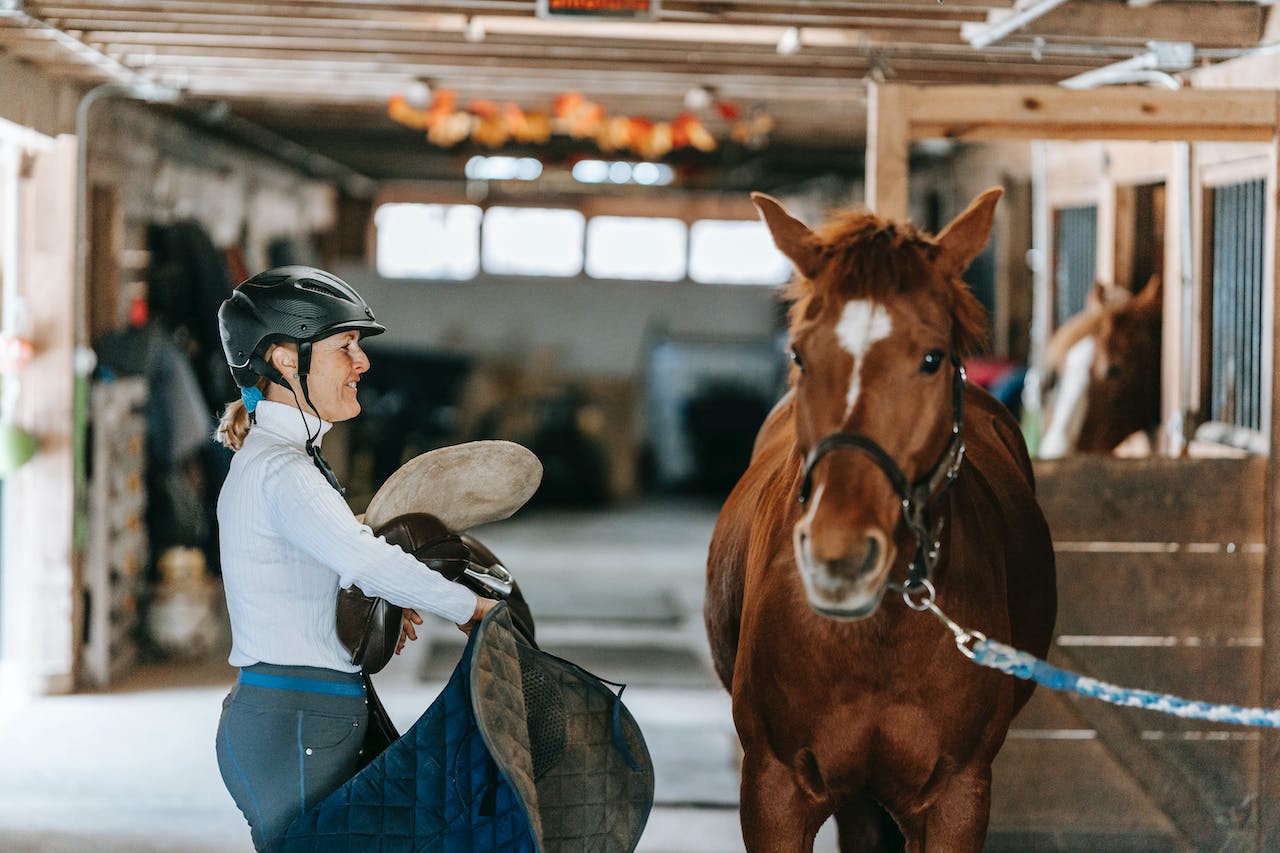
{"type": "Point", "coordinates": [996, 655]}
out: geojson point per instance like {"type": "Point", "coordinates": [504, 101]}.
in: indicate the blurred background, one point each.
{"type": "Point", "coordinates": [547, 204]}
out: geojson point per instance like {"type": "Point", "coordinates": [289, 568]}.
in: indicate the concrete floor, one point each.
{"type": "Point", "coordinates": [132, 769]}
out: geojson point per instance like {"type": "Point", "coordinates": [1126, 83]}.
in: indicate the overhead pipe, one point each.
{"type": "Point", "coordinates": [1151, 66]}
{"type": "Point", "coordinates": [988, 34]}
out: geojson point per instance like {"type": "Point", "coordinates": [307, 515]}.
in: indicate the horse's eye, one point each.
{"type": "Point", "coordinates": [1113, 371]}
{"type": "Point", "coordinates": [932, 361]}
{"type": "Point", "coordinates": [799, 362]}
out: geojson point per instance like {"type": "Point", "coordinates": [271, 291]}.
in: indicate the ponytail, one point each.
{"type": "Point", "coordinates": [234, 425]}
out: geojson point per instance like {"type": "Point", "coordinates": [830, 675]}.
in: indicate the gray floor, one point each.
{"type": "Point", "coordinates": [133, 769]}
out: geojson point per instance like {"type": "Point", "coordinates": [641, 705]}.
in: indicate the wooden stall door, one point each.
{"type": "Point", "coordinates": [1160, 586]}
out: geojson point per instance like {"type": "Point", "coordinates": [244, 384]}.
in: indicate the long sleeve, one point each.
{"type": "Point", "coordinates": [310, 515]}
{"type": "Point", "coordinates": [289, 543]}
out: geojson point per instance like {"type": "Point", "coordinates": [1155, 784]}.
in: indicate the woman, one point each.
{"type": "Point", "coordinates": [292, 728]}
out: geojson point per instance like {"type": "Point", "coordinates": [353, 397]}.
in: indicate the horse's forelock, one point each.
{"type": "Point", "coordinates": [865, 257]}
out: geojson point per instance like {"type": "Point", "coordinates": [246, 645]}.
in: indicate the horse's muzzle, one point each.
{"type": "Point", "coordinates": [847, 583]}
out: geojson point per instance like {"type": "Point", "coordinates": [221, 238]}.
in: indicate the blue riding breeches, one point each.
{"type": "Point", "coordinates": [288, 737]}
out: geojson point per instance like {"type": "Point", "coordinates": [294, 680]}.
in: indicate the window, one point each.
{"type": "Point", "coordinates": [532, 241]}
{"type": "Point", "coordinates": [428, 240]}
{"type": "Point", "coordinates": [735, 252]}
{"type": "Point", "coordinates": [1236, 378]}
{"type": "Point", "coordinates": [1075, 250]}
{"type": "Point", "coordinates": [636, 247]}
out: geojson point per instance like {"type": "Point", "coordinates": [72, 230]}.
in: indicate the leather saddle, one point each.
{"type": "Point", "coordinates": [369, 627]}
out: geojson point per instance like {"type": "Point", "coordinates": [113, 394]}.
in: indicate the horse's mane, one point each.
{"type": "Point", "coordinates": [865, 257]}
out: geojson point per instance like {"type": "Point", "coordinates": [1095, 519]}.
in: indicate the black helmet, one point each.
{"type": "Point", "coordinates": [293, 304]}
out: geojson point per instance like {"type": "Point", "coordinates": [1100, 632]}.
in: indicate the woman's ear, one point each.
{"type": "Point", "coordinates": [284, 360]}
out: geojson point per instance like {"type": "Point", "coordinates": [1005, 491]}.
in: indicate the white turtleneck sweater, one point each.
{"type": "Point", "coordinates": [290, 542]}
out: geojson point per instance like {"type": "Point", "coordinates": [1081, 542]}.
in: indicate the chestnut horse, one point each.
{"type": "Point", "coordinates": [1105, 362]}
{"type": "Point", "coordinates": [847, 702]}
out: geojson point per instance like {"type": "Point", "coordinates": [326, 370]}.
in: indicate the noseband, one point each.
{"type": "Point", "coordinates": [918, 497]}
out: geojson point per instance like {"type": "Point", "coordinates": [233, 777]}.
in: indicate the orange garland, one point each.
{"type": "Point", "coordinates": [492, 124]}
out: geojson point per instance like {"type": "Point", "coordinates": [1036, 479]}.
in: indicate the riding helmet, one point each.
{"type": "Point", "coordinates": [292, 304]}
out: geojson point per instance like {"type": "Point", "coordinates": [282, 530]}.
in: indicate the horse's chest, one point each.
{"type": "Point", "coordinates": [862, 707]}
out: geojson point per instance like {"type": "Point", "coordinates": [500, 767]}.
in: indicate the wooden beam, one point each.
{"type": "Point", "coordinates": [1203, 24]}
{"type": "Point", "coordinates": [887, 149]}
{"type": "Point", "coordinates": [1051, 112]}
{"type": "Point", "coordinates": [38, 527]}
{"type": "Point", "coordinates": [1269, 758]}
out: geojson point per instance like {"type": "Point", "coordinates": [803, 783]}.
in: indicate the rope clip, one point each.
{"type": "Point", "coordinates": [963, 636]}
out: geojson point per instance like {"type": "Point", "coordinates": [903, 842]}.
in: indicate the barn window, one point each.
{"type": "Point", "coordinates": [1075, 250]}
{"type": "Point", "coordinates": [636, 247]}
{"type": "Point", "coordinates": [532, 241]}
{"type": "Point", "coordinates": [1235, 322]}
{"type": "Point", "coordinates": [427, 240]}
{"type": "Point", "coordinates": [735, 252]}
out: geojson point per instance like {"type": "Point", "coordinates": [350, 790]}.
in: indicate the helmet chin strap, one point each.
{"type": "Point", "coordinates": [304, 367]}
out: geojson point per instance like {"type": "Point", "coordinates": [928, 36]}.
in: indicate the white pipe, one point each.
{"type": "Point", "coordinates": [1111, 76]}
{"type": "Point", "coordinates": [992, 33]}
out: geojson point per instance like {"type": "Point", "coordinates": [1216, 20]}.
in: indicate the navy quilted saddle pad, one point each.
{"type": "Point", "coordinates": [521, 751]}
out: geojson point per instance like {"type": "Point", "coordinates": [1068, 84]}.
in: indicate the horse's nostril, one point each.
{"type": "Point", "coordinates": [873, 554]}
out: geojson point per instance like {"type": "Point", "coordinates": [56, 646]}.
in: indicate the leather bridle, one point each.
{"type": "Point", "coordinates": [918, 497]}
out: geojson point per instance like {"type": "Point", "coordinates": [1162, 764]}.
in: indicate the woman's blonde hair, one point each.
{"type": "Point", "coordinates": [234, 424]}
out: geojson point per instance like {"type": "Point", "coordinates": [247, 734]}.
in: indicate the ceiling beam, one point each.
{"type": "Point", "coordinates": [1051, 112]}
{"type": "Point", "coordinates": [1203, 24]}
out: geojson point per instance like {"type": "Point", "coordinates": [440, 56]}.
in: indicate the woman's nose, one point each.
{"type": "Point", "coordinates": [359, 358]}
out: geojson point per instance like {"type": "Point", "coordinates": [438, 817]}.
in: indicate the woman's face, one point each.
{"type": "Point", "coordinates": [337, 363]}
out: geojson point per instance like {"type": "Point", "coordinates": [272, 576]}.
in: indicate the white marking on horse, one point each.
{"type": "Point", "coordinates": [1063, 430]}
{"type": "Point", "coordinates": [861, 324]}
{"type": "Point", "coordinates": [801, 530]}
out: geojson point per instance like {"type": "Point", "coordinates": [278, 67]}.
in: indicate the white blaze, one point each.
{"type": "Point", "coordinates": [1063, 430]}
{"type": "Point", "coordinates": [862, 323]}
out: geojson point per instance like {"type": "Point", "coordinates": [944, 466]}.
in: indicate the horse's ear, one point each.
{"type": "Point", "coordinates": [1103, 296]}
{"type": "Point", "coordinates": [1151, 293]}
{"type": "Point", "coordinates": [792, 237]}
{"type": "Point", "coordinates": [963, 239]}
{"type": "Point", "coordinates": [1096, 299]}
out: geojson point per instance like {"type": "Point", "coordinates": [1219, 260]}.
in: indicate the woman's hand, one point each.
{"type": "Point", "coordinates": [483, 606]}
{"type": "Point", "coordinates": [407, 632]}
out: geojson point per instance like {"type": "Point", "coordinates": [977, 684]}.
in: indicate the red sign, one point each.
{"type": "Point", "coordinates": [629, 10]}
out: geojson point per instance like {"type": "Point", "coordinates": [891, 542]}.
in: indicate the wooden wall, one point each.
{"type": "Point", "coordinates": [1160, 587]}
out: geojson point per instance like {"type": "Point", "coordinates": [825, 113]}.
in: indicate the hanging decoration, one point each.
{"type": "Point", "coordinates": [493, 124]}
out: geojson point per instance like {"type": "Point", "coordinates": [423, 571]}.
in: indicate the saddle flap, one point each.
{"type": "Point", "coordinates": [566, 742]}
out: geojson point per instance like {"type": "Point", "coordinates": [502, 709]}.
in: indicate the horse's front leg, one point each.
{"type": "Point", "coordinates": [956, 820]}
{"type": "Point", "coordinates": [777, 814]}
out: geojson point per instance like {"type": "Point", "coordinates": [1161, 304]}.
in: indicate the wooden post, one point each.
{"type": "Point", "coordinates": [38, 496]}
{"type": "Point", "coordinates": [1269, 754]}
{"type": "Point", "coordinates": [888, 117]}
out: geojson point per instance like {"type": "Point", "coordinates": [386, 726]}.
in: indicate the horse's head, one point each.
{"type": "Point", "coordinates": [1106, 361]}
{"type": "Point", "coordinates": [879, 321]}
